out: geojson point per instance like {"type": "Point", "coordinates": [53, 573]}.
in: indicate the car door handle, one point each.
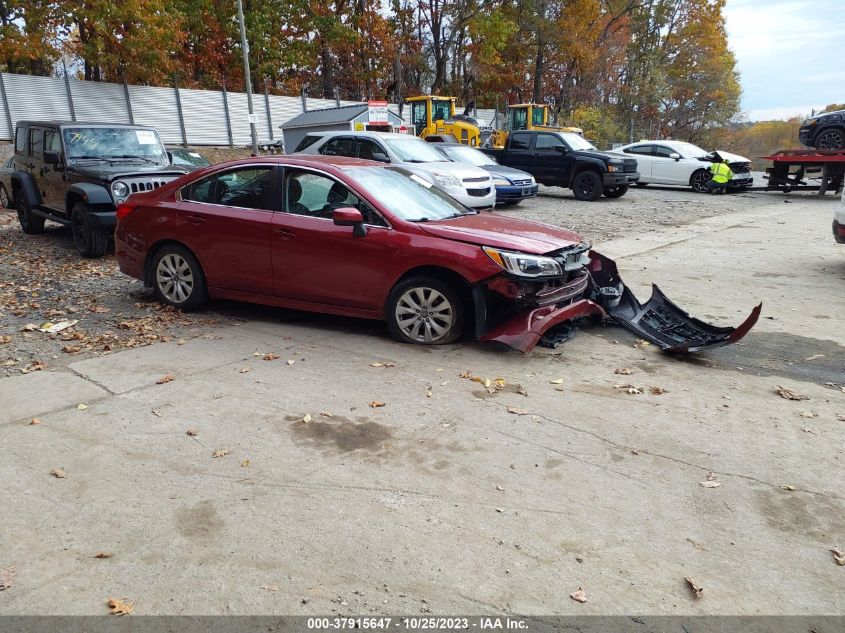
{"type": "Point", "coordinates": [284, 233]}
{"type": "Point", "coordinates": [196, 219]}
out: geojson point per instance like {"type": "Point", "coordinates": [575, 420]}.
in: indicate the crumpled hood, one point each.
{"type": "Point", "coordinates": [102, 171]}
{"type": "Point", "coordinates": [720, 155]}
{"type": "Point", "coordinates": [492, 229]}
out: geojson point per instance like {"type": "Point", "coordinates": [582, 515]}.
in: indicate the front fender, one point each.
{"type": "Point", "coordinates": [91, 194]}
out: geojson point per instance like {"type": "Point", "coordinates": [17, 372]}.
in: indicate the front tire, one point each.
{"type": "Point", "coordinates": [90, 241]}
{"type": "Point", "coordinates": [425, 311]}
{"type": "Point", "coordinates": [698, 181]}
{"type": "Point", "coordinates": [31, 224]}
{"type": "Point", "coordinates": [833, 138]}
{"type": "Point", "coordinates": [616, 192]}
{"type": "Point", "coordinates": [178, 278]}
{"type": "Point", "coordinates": [587, 186]}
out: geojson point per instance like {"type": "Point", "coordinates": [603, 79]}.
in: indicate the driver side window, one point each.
{"type": "Point", "coordinates": [547, 142]}
{"type": "Point", "coordinates": [317, 196]}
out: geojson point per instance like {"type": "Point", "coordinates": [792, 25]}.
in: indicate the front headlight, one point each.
{"type": "Point", "coordinates": [120, 190]}
{"type": "Point", "coordinates": [501, 182]}
{"type": "Point", "coordinates": [446, 181]}
{"type": "Point", "coordinates": [522, 264]}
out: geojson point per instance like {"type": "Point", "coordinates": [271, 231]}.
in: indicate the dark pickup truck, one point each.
{"type": "Point", "coordinates": [564, 159]}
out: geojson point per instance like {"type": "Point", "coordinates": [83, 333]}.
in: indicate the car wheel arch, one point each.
{"type": "Point", "coordinates": [442, 273]}
{"type": "Point", "coordinates": [154, 250]}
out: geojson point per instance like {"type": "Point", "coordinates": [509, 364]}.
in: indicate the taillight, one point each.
{"type": "Point", "coordinates": [124, 209]}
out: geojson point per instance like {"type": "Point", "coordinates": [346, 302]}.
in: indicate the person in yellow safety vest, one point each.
{"type": "Point", "coordinates": [720, 176]}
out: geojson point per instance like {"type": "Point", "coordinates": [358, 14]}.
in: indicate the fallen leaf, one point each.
{"type": "Point", "coordinates": [807, 414]}
{"type": "Point", "coordinates": [191, 432]}
{"type": "Point", "coordinates": [35, 421]}
{"type": "Point", "coordinates": [521, 390]}
{"type": "Point", "coordinates": [517, 411]}
{"type": "Point", "coordinates": [808, 430]}
{"type": "Point", "coordinates": [326, 414]}
{"type": "Point", "coordinates": [7, 577]}
{"type": "Point", "coordinates": [103, 555]}
{"type": "Point", "coordinates": [556, 381]}
{"type": "Point", "coordinates": [696, 544]}
{"type": "Point", "coordinates": [711, 476]}
{"type": "Point", "coordinates": [156, 412]}
{"type": "Point", "coordinates": [166, 379]}
{"type": "Point", "coordinates": [625, 371]}
{"type": "Point", "coordinates": [629, 389]}
{"type": "Point", "coordinates": [697, 590]}
{"type": "Point", "coordinates": [838, 556]}
{"type": "Point", "coordinates": [814, 357]}
{"type": "Point", "coordinates": [290, 361]}
{"type": "Point", "coordinates": [5, 339]}
{"type": "Point", "coordinates": [270, 587]}
{"type": "Point", "coordinates": [375, 404]}
{"type": "Point", "coordinates": [99, 309]}
{"type": "Point", "coordinates": [841, 417]}
{"type": "Point", "coordinates": [270, 356]}
{"type": "Point", "coordinates": [71, 349]}
{"type": "Point", "coordinates": [220, 452]}
{"type": "Point", "coordinates": [120, 606]}
{"type": "Point", "coordinates": [382, 364]}
{"type": "Point", "coordinates": [500, 488]}
{"type": "Point", "coordinates": [657, 391]}
{"type": "Point", "coordinates": [245, 463]}
{"type": "Point", "coordinates": [788, 394]}
{"type": "Point", "coordinates": [29, 327]}
{"type": "Point", "coordinates": [58, 473]}
{"type": "Point", "coordinates": [81, 406]}
{"type": "Point", "coordinates": [52, 328]}
{"type": "Point", "coordinates": [306, 418]}
{"type": "Point", "coordinates": [428, 393]}
{"type": "Point", "coordinates": [579, 595]}
{"type": "Point", "coordinates": [244, 370]}
{"type": "Point", "coordinates": [788, 487]}
{"type": "Point", "coordinates": [465, 374]}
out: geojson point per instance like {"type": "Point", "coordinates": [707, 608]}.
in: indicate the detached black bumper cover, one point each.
{"type": "Point", "coordinates": [660, 321]}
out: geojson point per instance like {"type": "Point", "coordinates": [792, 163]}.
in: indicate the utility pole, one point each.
{"type": "Point", "coordinates": [248, 79]}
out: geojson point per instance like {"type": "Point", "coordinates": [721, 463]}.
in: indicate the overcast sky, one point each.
{"type": "Point", "coordinates": [790, 54]}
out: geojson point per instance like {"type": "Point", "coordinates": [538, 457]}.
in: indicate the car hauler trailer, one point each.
{"type": "Point", "coordinates": [792, 168]}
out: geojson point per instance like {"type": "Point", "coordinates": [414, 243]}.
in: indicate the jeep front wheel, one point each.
{"type": "Point", "coordinates": [89, 239]}
{"type": "Point", "coordinates": [587, 186]}
{"type": "Point", "coordinates": [31, 224]}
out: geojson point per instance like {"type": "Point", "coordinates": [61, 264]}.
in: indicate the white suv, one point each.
{"type": "Point", "coordinates": [467, 184]}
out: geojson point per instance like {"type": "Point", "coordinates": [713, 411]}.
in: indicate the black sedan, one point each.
{"type": "Point", "coordinates": [512, 185]}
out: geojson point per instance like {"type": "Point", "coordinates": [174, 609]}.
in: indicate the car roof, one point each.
{"type": "Point", "coordinates": [84, 124]}
{"type": "Point", "coordinates": [369, 134]}
{"type": "Point", "coordinates": [305, 160]}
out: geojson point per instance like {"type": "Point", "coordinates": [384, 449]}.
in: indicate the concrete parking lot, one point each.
{"type": "Point", "coordinates": [218, 482]}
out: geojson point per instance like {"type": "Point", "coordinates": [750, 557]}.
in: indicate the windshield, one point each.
{"type": "Point", "coordinates": [688, 150]}
{"type": "Point", "coordinates": [187, 158]}
{"type": "Point", "coordinates": [468, 155]}
{"type": "Point", "coordinates": [413, 150]}
{"type": "Point", "coordinates": [575, 141]}
{"type": "Point", "coordinates": [108, 143]}
{"type": "Point", "coordinates": [406, 195]}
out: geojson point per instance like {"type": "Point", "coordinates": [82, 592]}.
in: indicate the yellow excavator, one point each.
{"type": "Point", "coordinates": [431, 115]}
{"type": "Point", "coordinates": [527, 116]}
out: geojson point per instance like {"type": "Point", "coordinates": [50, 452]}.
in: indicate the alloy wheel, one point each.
{"type": "Point", "coordinates": [699, 182]}
{"type": "Point", "coordinates": [424, 315]}
{"type": "Point", "coordinates": [831, 139]}
{"type": "Point", "coordinates": [174, 278]}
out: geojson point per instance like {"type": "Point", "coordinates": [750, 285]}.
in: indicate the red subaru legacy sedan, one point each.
{"type": "Point", "coordinates": [363, 239]}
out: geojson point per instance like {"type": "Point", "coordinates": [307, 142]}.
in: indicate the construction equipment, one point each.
{"type": "Point", "coordinates": [436, 115]}
{"type": "Point", "coordinates": [527, 116]}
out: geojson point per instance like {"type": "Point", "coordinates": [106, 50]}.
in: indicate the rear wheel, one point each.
{"type": "Point", "coordinates": [89, 239]}
{"type": "Point", "coordinates": [425, 311]}
{"type": "Point", "coordinates": [31, 224]}
{"type": "Point", "coordinates": [831, 139]}
{"type": "Point", "coordinates": [698, 181]}
{"type": "Point", "coordinates": [178, 279]}
{"type": "Point", "coordinates": [587, 186]}
{"type": "Point", "coordinates": [615, 192]}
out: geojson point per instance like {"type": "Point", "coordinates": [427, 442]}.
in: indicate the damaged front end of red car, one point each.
{"type": "Point", "coordinates": [520, 312]}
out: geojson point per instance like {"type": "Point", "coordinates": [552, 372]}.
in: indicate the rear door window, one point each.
{"type": "Point", "coordinates": [520, 141]}
{"type": "Point", "coordinates": [246, 187]}
{"type": "Point", "coordinates": [308, 141]}
{"type": "Point", "coordinates": [642, 150]}
{"type": "Point", "coordinates": [341, 146]}
{"type": "Point", "coordinates": [21, 140]}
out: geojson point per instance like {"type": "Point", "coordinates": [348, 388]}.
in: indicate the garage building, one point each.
{"type": "Point", "coordinates": [344, 118]}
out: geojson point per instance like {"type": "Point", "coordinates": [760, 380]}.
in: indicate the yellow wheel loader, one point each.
{"type": "Point", "coordinates": [432, 115]}
{"type": "Point", "coordinates": [527, 116]}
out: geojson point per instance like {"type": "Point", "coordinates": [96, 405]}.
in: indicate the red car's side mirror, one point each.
{"type": "Point", "coordinates": [350, 216]}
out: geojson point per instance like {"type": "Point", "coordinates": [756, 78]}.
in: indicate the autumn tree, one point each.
{"type": "Point", "coordinates": [29, 35]}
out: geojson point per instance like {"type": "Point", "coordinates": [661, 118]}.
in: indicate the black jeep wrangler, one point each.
{"type": "Point", "coordinates": [77, 173]}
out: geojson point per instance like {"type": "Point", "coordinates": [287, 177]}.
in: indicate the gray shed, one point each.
{"type": "Point", "coordinates": [343, 118]}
